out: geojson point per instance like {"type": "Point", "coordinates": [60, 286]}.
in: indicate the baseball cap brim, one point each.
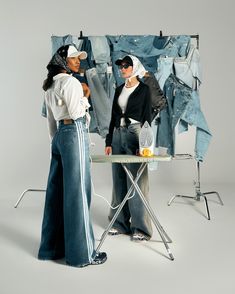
{"type": "Point", "coordinates": [81, 54]}
{"type": "Point", "coordinates": [73, 52]}
{"type": "Point", "coordinates": [125, 59]}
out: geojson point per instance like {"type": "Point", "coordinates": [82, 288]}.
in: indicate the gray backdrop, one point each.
{"type": "Point", "coordinates": [26, 28]}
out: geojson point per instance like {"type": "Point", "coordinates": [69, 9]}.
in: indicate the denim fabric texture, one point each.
{"type": "Point", "coordinates": [140, 46]}
{"type": "Point", "coordinates": [194, 116]}
{"type": "Point", "coordinates": [178, 96]}
{"type": "Point", "coordinates": [133, 217]}
{"type": "Point", "coordinates": [177, 46]}
{"type": "Point", "coordinates": [58, 41]}
{"type": "Point", "coordinates": [100, 102]}
{"type": "Point", "coordinates": [66, 227]}
{"type": "Point", "coordinates": [188, 68]}
{"type": "Point", "coordinates": [86, 46]}
{"type": "Point", "coordinates": [164, 69]}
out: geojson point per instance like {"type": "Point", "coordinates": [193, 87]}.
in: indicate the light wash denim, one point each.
{"type": "Point", "coordinates": [100, 102]}
{"type": "Point", "coordinates": [101, 54]}
{"type": "Point", "coordinates": [58, 41]}
{"type": "Point", "coordinates": [194, 116]}
{"type": "Point", "coordinates": [140, 46]}
{"type": "Point", "coordinates": [100, 49]}
{"type": "Point", "coordinates": [146, 49]}
{"type": "Point", "coordinates": [164, 69]}
{"type": "Point", "coordinates": [133, 217]}
{"type": "Point", "coordinates": [66, 228]}
{"type": "Point", "coordinates": [178, 96]}
{"type": "Point", "coordinates": [188, 68]}
{"type": "Point", "coordinates": [177, 46]}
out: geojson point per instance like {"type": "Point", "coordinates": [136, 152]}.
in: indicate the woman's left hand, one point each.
{"type": "Point", "coordinates": [86, 90]}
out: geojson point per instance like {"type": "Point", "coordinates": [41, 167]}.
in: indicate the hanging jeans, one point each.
{"type": "Point", "coordinates": [178, 96]}
{"type": "Point", "coordinates": [66, 227]}
{"type": "Point", "coordinates": [101, 114]}
{"type": "Point", "coordinates": [194, 116]}
{"type": "Point", "coordinates": [133, 216]}
{"type": "Point", "coordinates": [164, 69]}
{"type": "Point", "coordinates": [58, 41]}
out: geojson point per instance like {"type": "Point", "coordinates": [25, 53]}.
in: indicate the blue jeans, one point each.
{"type": "Point", "coordinates": [133, 217]}
{"type": "Point", "coordinates": [58, 41]}
{"type": "Point", "coordinates": [164, 69]}
{"type": "Point", "coordinates": [66, 228]}
{"type": "Point", "coordinates": [177, 45]}
{"type": "Point", "coordinates": [101, 104]}
{"type": "Point", "coordinates": [194, 116]}
{"type": "Point", "coordinates": [178, 96]}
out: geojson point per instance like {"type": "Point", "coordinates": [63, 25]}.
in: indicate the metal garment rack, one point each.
{"type": "Point", "coordinates": [198, 193]}
{"type": "Point", "coordinates": [197, 183]}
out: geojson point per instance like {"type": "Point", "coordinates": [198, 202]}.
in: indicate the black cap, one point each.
{"type": "Point", "coordinates": [125, 59]}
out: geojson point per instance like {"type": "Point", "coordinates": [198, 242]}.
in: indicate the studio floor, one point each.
{"type": "Point", "coordinates": [203, 250]}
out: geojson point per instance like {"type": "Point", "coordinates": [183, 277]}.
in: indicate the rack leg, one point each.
{"type": "Point", "coordinates": [26, 191]}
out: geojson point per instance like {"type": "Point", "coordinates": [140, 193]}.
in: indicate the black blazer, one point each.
{"type": "Point", "coordinates": [138, 107]}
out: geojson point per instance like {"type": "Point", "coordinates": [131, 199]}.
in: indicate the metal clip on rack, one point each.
{"type": "Point", "coordinates": [197, 184]}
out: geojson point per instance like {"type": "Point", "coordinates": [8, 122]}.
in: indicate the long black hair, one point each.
{"type": "Point", "coordinates": [56, 65]}
{"type": "Point", "coordinates": [52, 71]}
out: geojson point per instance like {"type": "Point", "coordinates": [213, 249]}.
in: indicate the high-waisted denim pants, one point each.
{"type": "Point", "coordinates": [66, 227]}
{"type": "Point", "coordinates": [133, 216]}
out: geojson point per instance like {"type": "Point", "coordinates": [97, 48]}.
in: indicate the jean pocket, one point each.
{"type": "Point", "coordinates": [68, 137]}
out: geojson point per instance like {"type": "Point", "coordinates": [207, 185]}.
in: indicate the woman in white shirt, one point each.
{"type": "Point", "coordinates": [66, 229]}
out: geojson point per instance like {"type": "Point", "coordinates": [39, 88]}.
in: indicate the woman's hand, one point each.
{"type": "Point", "coordinates": [86, 90]}
{"type": "Point", "coordinates": [108, 150]}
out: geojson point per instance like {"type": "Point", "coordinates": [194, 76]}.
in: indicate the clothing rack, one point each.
{"type": "Point", "coordinates": [197, 184]}
{"type": "Point", "coordinates": [191, 36]}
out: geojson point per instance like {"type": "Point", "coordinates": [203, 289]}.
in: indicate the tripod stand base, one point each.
{"type": "Point", "coordinates": [197, 198]}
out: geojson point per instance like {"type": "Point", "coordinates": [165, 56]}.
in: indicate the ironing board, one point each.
{"type": "Point", "coordinates": [124, 160]}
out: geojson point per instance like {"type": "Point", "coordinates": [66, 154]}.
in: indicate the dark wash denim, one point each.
{"type": "Point", "coordinates": [133, 217]}
{"type": "Point", "coordinates": [178, 96]}
{"type": "Point", "coordinates": [66, 227]}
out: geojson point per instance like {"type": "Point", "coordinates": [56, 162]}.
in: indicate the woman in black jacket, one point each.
{"type": "Point", "coordinates": [131, 108]}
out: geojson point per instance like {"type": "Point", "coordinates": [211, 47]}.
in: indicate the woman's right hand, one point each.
{"type": "Point", "coordinates": [108, 150]}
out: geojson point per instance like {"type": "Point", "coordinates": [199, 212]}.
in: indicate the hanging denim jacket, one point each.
{"type": "Point", "coordinates": [178, 96]}
{"type": "Point", "coordinates": [194, 116]}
